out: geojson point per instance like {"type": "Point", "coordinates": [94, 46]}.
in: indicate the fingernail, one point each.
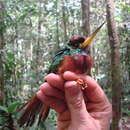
{"type": "Point", "coordinates": [72, 88]}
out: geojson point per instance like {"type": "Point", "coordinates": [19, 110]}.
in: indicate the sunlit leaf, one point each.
{"type": "Point", "coordinates": [13, 107]}
{"type": "Point", "coordinates": [2, 108]}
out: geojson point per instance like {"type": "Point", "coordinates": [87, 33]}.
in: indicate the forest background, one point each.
{"type": "Point", "coordinates": [31, 31]}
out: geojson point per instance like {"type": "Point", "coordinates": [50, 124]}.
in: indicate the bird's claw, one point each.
{"type": "Point", "coordinates": [81, 83]}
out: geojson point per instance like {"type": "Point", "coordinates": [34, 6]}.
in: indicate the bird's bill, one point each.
{"type": "Point", "coordinates": [89, 39]}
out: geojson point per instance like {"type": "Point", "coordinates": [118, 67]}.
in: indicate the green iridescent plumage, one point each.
{"type": "Point", "coordinates": [60, 55]}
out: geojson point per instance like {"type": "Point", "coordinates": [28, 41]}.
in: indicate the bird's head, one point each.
{"type": "Point", "coordinates": [78, 41]}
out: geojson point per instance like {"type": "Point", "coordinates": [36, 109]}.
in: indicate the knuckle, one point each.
{"type": "Point", "coordinates": [76, 103]}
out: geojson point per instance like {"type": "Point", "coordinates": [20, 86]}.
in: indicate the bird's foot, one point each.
{"type": "Point", "coordinates": [81, 83]}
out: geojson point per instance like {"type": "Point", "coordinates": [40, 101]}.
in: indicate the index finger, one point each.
{"type": "Point", "coordinates": [93, 92]}
{"type": "Point", "coordinates": [55, 80]}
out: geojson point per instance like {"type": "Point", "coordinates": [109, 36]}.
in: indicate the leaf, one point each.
{"type": "Point", "coordinates": [126, 111]}
{"type": "Point", "coordinates": [4, 109]}
{"type": "Point", "coordinates": [13, 107]}
{"type": "Point", "coordinates": [2, 121]}
{"type": "Point", "coordinates": [127, 9]}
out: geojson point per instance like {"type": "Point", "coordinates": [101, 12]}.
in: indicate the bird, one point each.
{"type": "Point", "coordinates": [75, 57]}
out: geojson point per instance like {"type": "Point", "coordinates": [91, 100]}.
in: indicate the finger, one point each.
{"type": "Point", "coordinates": [75, 101]}
{"type": "Point", "coordinates": [64, 116]}
{"type": "Point", "coordinates": [99, 107]}
{"type": "Point", "coordinates": [54, 103]}
{"type": "Point", "coordinates": [70, 76]}
{"type": "Point", "coordinates": [93, 92]}
{"type": "Point", "coordinates": [55, 80]}
{"type": "Point", "coordinates": [51, 91]}
{"type": "Point", "coordinates": [73, 95]}
{"type": "Point", "coordinates": [63, 120]}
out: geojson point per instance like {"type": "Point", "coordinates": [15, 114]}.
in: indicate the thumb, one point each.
{"type": "Point", "coordinates": [75, 101]}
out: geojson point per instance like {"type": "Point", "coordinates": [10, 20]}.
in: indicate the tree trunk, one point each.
{"type": "Point", "coordinates": [127, 41]}
{"type": "Point", "coordinates": [2, 42]}
{"type": "Point", "coordinates": [86, 20]}
{"type": "Point", "coordinates": [115, 66]}
{"type": "Point", "coordinates": [57, 27]}
{"type": "Point", "coordinates": [86, 16]}
{"type": "Point", "coordinates": [128, 57]}
{"type": "Point", "coordinates": [39, 38]}
{"type": "Point", "coordinates": [64, 19]}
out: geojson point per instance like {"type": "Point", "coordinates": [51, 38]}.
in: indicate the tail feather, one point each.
{"type": "Point", "coordinates": [33, 113]}
{"type": "Point", "coordinates": [43, 113]}
{"type": "Point", "coordinates": [30, 110]}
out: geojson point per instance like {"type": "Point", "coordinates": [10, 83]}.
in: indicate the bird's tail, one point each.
{"type": "Point", "coordinates": [31, 110]}
{"type": "Point", "coordinates": [44, 113]}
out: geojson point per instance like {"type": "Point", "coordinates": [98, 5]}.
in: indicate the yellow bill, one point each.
{"type": "Point", "coordinates": [89, 39]}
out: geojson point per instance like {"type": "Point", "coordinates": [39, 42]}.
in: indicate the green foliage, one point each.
{"type": "Point", "coordinates": [126, 112]}
{"type": "Point", "coordinates": [8, 115]}
{"type": "Point", "coordinates": [5, 109]}
{"type": "Point", "coordinates": [126, 8]}
{"type": "Point", "coordinates": [11, 108]}
{"type": "Point", "coordinates": [2, 27]}
{"type": "Point", "coordinates": [21, 11]}
{"type": "Point", "coordinates": [10, 63]}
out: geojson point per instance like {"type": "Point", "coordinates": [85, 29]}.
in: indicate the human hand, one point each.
{"type": "Point", "coordinates": [77, 110]}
